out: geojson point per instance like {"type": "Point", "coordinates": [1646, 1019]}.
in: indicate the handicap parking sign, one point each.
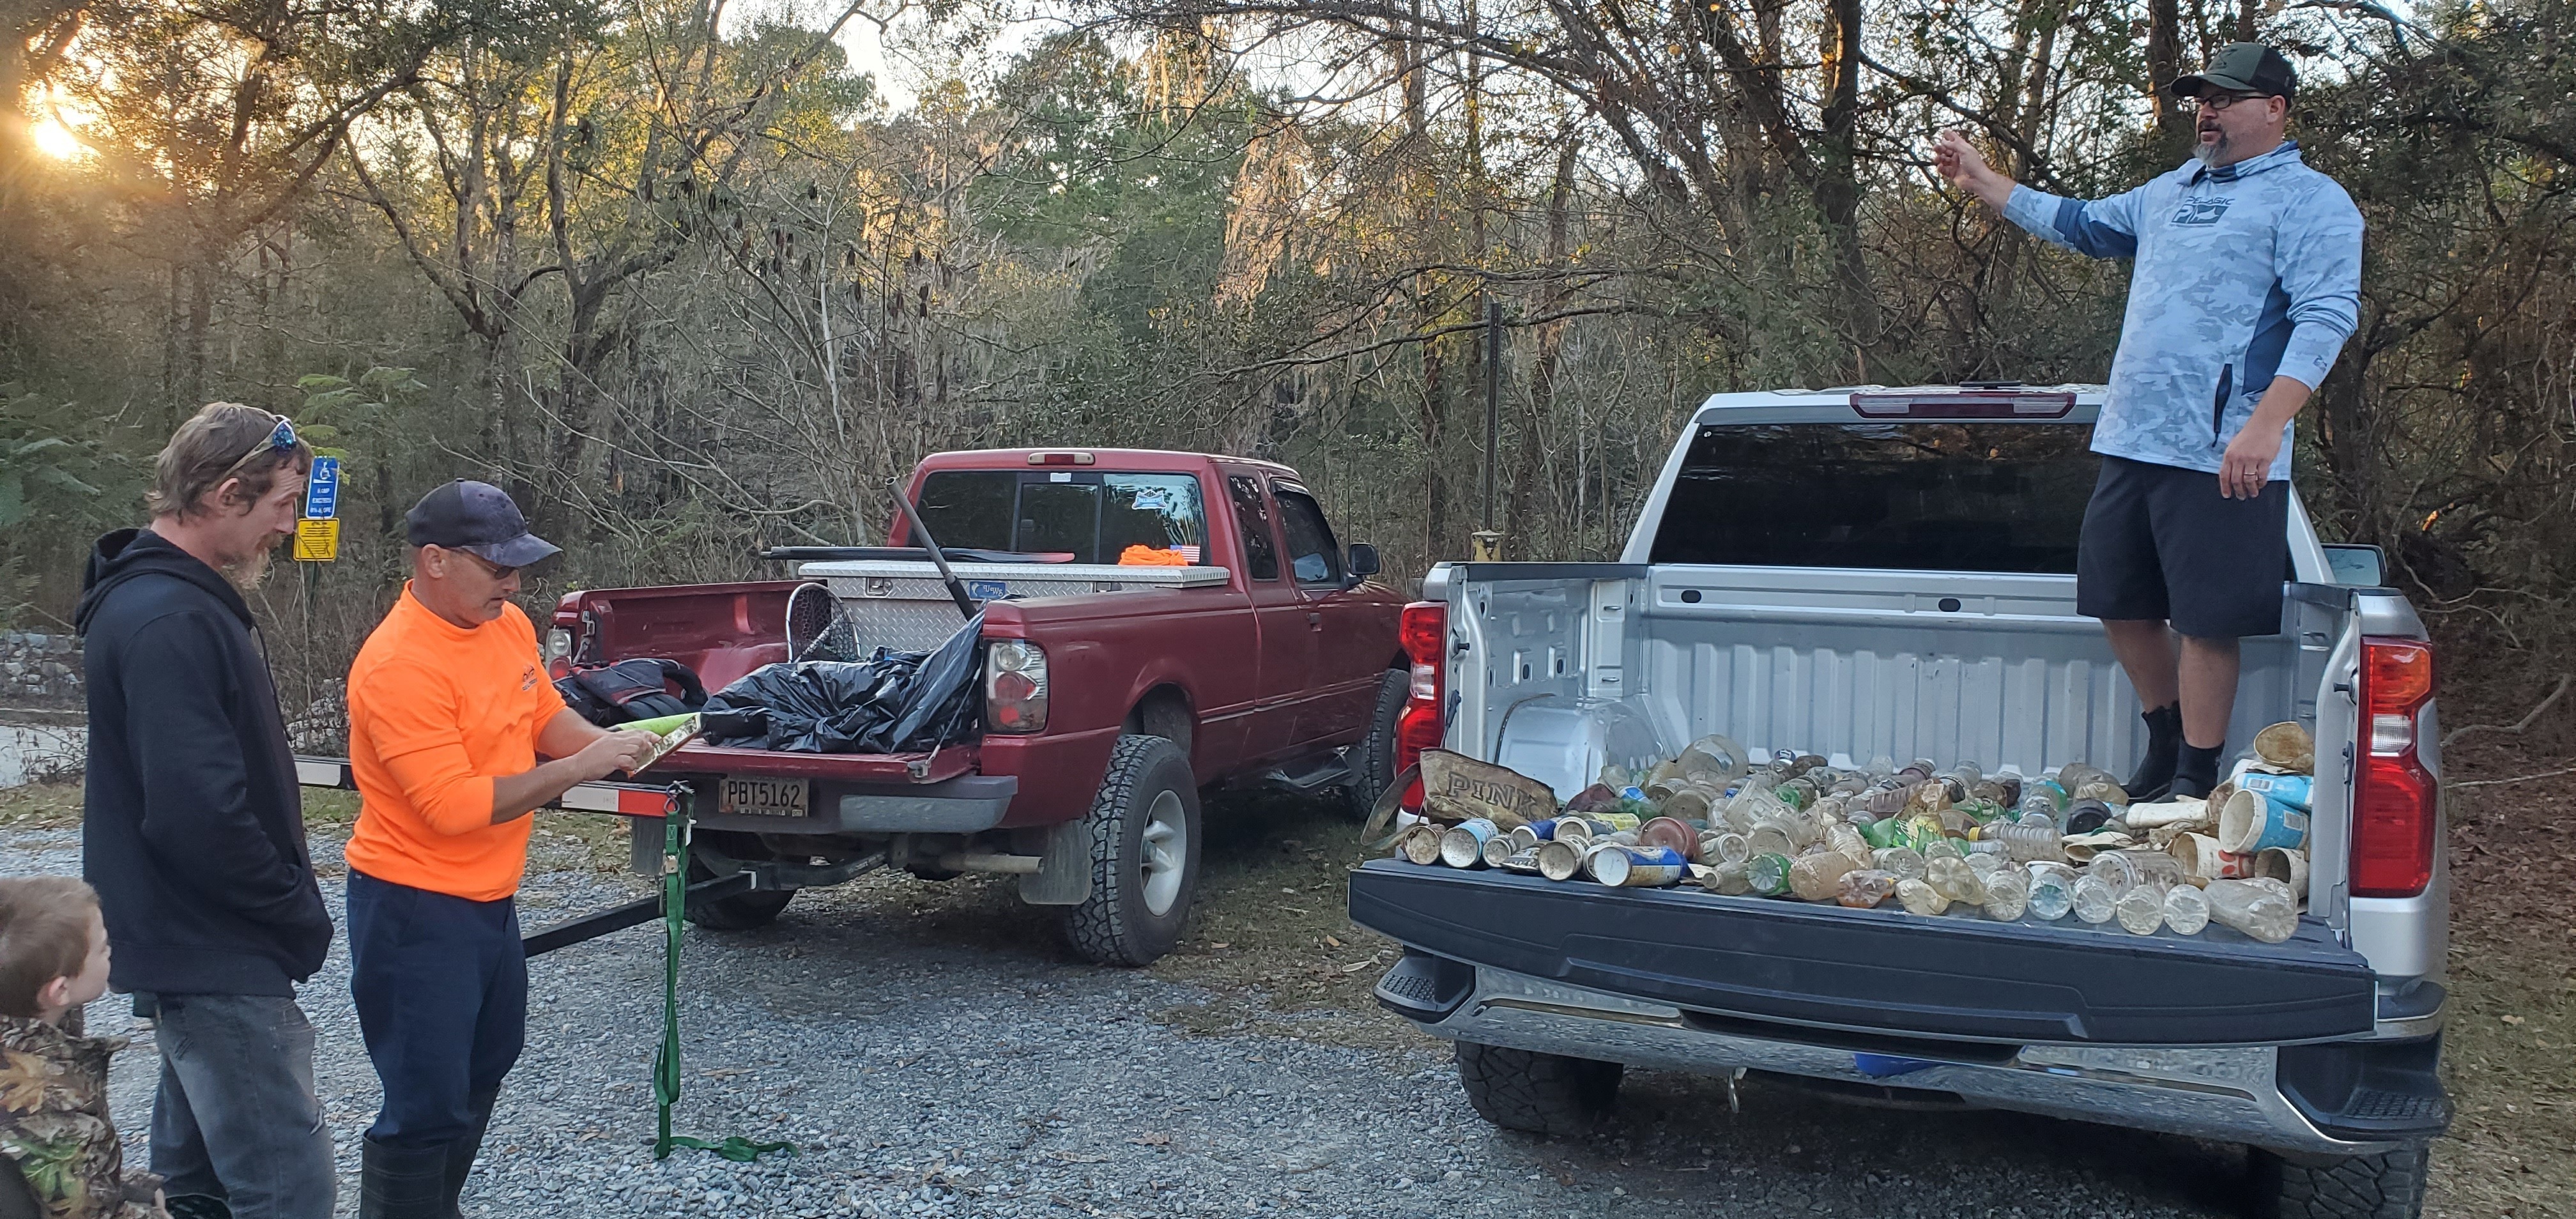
{"type": "Point", "coordinates": [322, 490]}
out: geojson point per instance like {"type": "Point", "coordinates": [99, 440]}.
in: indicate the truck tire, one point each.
{"type": "Point", "coordinates": [1537, 1093]}
{"type": "Point", "coordinates": [1372, 761]}
{"type": "Point", "coordinates": [742, 911]}
{"type": "Point", "coordinates": [2389, 1185]}
{"type": "Point", "coordinates": [1144, 855]}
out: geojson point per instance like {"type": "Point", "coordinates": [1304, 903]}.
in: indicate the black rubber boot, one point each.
{"type": "Point", "coordinates": [2155, 772]}
{"type": "Point", "coordinates": [461, 1153]}
{"type": "Point", "coordinates": [2196, 770]}
{"type": "Point", "coordinates": [402, 1182]}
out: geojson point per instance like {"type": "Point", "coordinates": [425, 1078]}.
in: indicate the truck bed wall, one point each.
{"type": "Point", "coordinates": [1839, 662]}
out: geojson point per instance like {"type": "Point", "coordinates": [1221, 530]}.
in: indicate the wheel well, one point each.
{"type": "Point", "coordinates": [1164, 712]}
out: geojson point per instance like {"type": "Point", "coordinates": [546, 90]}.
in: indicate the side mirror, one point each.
{"type": "Point", "coordinates": [1363, 562]}
{"type": "Point", "coordinates": [2357, 566]}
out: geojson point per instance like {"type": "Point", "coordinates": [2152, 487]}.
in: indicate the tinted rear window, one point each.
{"type": "Point", "coordinates": [1079, 517]}
{"type": "Point", "coordinates": [2005, 497]}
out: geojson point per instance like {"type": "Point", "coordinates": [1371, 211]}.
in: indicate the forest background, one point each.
{"type": "Point", "coordinates": [685, 279]}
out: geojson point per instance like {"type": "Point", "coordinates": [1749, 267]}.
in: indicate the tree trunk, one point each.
{"type": "Point", "coordinates": [1837, 186]}
{"type": "Point", "coordinates": [2164, 63]}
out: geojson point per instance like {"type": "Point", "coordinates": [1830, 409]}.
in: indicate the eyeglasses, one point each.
{"type": "Point", "coordinates": [490, 568]}
{"type": "Point", "coordinates": [2221, 101]}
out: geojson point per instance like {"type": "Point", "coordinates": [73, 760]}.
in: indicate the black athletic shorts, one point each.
{"type": "Point", "coordinates": [2160, 542]}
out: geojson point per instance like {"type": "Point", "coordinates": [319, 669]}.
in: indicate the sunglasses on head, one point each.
{"type": "Point", "coordinates": [280, 439]}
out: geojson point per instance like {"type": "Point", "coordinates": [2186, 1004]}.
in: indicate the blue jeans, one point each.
{"type": "Point", "coordinates": [441, 985]}
{"type": "Point", "coordinates": [236, 1116]}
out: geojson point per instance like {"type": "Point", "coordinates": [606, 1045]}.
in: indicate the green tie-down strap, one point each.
{"type": "Point", "coordinates": [666, 1060]}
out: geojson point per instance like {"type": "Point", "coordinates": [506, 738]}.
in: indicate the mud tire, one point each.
{"type": "Point", "coordinates": [2389, 1185]}
{"type": "Point", "coordinates": [1537, 1093]}
{"type": "Point", "coordinates": [1116, 926]}
{"type": "Point", "coordinates": [1372, 761]}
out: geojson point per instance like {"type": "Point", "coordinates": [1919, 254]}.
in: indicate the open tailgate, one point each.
{"type": "Point", "coordinates": [1878, 970]}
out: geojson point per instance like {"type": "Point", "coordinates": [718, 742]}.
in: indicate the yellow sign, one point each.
{"type": "Point", "coordinates": [317, 541]}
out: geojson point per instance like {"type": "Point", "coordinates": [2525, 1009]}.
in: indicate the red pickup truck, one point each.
{"type": "Point", "coordinates": [1237, 643]}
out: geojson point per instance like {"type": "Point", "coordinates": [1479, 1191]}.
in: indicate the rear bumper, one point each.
{"type": "Point", "coordinates": [966, 804]}
{"type": "Point", "coordinates": [2334, 1099]}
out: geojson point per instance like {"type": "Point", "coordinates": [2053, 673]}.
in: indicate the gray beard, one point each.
{"type": "Point", "coordinates": [2211, 152]}
{"type": "Point", "coordinates": [246, 574]}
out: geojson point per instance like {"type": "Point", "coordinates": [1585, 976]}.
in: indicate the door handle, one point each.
{"type": "Point", "coordinates": [1315, 620]}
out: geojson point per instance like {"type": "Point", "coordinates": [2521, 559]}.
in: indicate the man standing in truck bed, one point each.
{"type": "Point", "coordinates": [2248, 281]}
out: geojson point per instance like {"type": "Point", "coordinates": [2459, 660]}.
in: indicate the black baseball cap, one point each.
{"type": "Point", "coordinates": [476, 517]}
{"type": "Point", "coordinates": [2243, 67]}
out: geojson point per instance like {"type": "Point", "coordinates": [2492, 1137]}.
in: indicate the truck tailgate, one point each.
{"type": "Point", "coordinates": [1877, 970]}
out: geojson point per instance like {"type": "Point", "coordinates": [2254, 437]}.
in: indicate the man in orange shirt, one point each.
{"type": "Point", "coordinates": [449, 710]}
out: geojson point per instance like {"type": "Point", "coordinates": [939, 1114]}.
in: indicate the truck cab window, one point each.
{"type": "Point", "coordinates": [1069, 516]}
{"type": "Point", "coordinates": [2003, 497]}
{"type": "Point", "coordinates": [1311, 552]}
{"type": "Point", "coordinates": [1259, 553]}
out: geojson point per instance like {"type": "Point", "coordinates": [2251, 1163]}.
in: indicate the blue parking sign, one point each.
{"type": "Point", "coordinates": [322, 490]}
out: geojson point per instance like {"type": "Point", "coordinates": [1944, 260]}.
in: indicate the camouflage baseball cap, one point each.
{"type": "Point", "coordinates": [2242, 67]}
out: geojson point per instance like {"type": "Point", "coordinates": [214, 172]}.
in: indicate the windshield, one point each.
{"type": "Point", "coordinates": [2005, 497]}
{"type": "Point", "coordinates": [1069, 517]}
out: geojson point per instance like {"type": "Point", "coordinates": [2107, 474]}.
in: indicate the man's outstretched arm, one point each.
{"type": "Point", "coordinates": [2102, 228]}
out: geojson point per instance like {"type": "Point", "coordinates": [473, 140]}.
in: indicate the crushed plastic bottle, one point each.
{"type": "Point", "coordinates": [2007, 895]}
{"type": "Point", "coordinates": [2052, 894]}
{"type": "Point", "coordinates": [2141, 910]}
{"type": "Point", "coordinates": [1920, 897]}
{"type": "Point", "coordinates": [1905, 863]}
{"type": "Point", "coordinates": [2186, 910]}
{"type": "Point", "coordinates": [1955, 879]}
{"type": "Point", "coordinates": [1818, 875]}
{"type": "Point", "coordinates": [1863, 888]}
{"type": "Point", "coordinates": [2257, 909]}
{"type": "Point", "coordinates": [1768, 873]}
{"type": "Point", "coordinates": [2032, 839]}
{"type": "Point", "coordinates": [2091, 898]}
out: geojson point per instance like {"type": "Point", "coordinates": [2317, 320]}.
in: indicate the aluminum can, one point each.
{"type": "Point", "coordinates": [1639, 867]}
{"type": "Point", "coordinates": [1561, 859]}
{"type": "Point", "coordinates": [1463, 845]}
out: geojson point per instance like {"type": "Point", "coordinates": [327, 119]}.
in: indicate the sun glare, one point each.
{"type": "Point", "coordinates": [55, 140]}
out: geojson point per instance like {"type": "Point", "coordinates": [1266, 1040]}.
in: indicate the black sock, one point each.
{"type": "Point", "coordinates": [2196, 769]}
{"type": "Point", "coordinates": [2156, 769]}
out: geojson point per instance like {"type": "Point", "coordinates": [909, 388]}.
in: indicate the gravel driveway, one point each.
{"type": "Point", "coordinates": [936, 1065]}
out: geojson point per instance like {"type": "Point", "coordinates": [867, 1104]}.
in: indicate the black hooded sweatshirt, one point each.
{"type": "Point", "coordinates": [192, 824]}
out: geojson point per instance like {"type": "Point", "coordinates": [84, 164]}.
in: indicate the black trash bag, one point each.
{"type": "Point", "coordinates": [641, 688]}
{"type": "Point", "coordinates": [892, 702]}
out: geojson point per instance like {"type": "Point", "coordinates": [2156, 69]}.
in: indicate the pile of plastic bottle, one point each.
{"type": "Point", "coordinates": [1932, 842]}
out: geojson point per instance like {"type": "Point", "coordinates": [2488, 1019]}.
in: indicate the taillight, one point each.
{"type": "Point", "coordinates": [2393, 794]}
{"type": "Point", "coordinates": [1015, 686]}
{"type": "Point", "coordinates": [1424, 631]}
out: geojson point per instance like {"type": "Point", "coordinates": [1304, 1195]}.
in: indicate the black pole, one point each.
{"type": "Point", "coordinates": [1493, 401]}
{"type": "Point", "coordinates": [938, 557]}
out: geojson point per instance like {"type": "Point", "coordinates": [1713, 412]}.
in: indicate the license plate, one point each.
{"type": "Point", "coordinates": [750, 797]}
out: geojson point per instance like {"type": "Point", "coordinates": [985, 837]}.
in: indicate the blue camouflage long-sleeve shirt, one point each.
{"type": "Point", "coordinates": [2243, 273]}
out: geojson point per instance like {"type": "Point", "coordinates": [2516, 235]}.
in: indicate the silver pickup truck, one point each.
{"type": "Point", "coordinates": [1877, 572]}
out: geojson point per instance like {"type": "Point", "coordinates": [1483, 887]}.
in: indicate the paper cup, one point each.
{"type": "Point", "coordinates": [2254, 821]}
{"type": "Point", "coordinates": [2293, 790]}
{"type": "Point", "coordinates": [2202, 860]}
{"type": "Point", "coordinates": [2286, 746]}
{"type": "Point", "coordinates": [2287, 866]}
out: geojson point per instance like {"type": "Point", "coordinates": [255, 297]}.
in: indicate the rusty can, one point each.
{"type": "Point", "coordinates": [1560, 859]}
{"type": "Point", "coordinates": [1609, 823]}
{"type": "Point", "coordinates": [1524, 863]}
{"type": "Point", "coordinates": [1420, 843]}
{"type": "Point", "coordinates": [1497, 849]}
{"type": "Point", "coordinates": [1639, 867]}
{"type": "Point", "coordinates": [1463, 844]}
{"type": "Point", "coordinates": [1669, 832]}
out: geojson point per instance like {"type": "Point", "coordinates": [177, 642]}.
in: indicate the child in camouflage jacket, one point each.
{"type": "Point", "coordinates": [54, 1128]}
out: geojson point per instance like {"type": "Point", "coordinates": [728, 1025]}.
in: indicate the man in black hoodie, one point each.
{"type": "Point", "coordinates": [193, 827]}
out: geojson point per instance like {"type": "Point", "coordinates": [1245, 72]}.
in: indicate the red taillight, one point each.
{"type": "Point", "coordinates": [1424, 632]}
{"type": "Point", "coordinates": [2394, 796]}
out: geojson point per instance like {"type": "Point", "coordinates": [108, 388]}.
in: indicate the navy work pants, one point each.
{"type": "Point", "coordinates": [442, 993]}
